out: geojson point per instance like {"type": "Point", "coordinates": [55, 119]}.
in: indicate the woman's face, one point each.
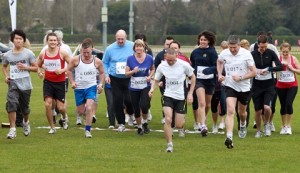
{"type": "Point", "coordinates": [139, 48]}
{"type": "Point", "coordinates": [175, 47]}
{"type": "Point", "coordinates": [285, 51]}
{"type": "Point", "coordinates": [203, 42]}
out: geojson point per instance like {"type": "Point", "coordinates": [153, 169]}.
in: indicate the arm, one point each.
{"type": "Point", "coordinates": [101, 74]}
{"type": "Point", "coordinates": [70, 67]}
{"type": "Point", "coordinates": [152, 70]}
{"type": "Point", "coordinates": [6, 73]}
{"type": "Point", "coordinates": [278, 65]}
{"type": "Point", "coordinates": [220, 64]}
{"type": "Point", "coordinates": [40, 62]}
{"type": "Point", "coordinates": [129, 72]}
{"type": "Point", "coordinates": [153, 86]}
{"type": "Point", "coordinates": [297, 64]}
{"type": "Point", "coordinates": [250, 74]}
{"type": "Point", "coordinates": [192, 87]}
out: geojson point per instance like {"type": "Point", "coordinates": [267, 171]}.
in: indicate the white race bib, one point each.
{"type": "Point", "coordinates": [200, 75]}
{"type": "Point", "coordinates": [266, 76]}
{"type": "Point", "coordinates": [234, 69]}
{"type": "Point", "coordinates": [286, 76]}
{"type": "Point", "coordinates": [52, 65]}
{"type": "Point", "coordinates": [138, 82]}
{"type": "Point", "coordinates": [16, 73]}
{"type": "Point", "coordinates": [120, 67]}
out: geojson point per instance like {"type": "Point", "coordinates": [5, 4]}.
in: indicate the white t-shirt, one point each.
{"type": "Point", "coordinates": [237, 65]}
{"type": "Point", "coordinates": [175, 76]}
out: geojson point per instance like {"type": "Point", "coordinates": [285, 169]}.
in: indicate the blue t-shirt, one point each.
{"type": "Point", "coordinates": [115, 57]}
{"type": "Point", "coordinates": [144, 71]}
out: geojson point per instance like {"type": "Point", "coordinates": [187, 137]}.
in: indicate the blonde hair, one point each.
{"type": "Point", "coordinates": [245, 44]}
{"type": "Point", "coordinates": [27, 44]}
{"type": "Point", "coordinates": [285, 45]}
{"type": "Point", "coordinates": [138, 42]}
{"type": "Point", "coordinates": [224, 44]}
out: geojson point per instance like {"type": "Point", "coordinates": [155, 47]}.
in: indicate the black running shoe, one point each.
{"type": "Point", "coordinates": [61, 122]}
{"type": "Point", "coordinates": [94, 119]}
{"type": "Point", "coordinates": [146, 128]}
{"type": "Point", "coordinates": [228, 143]}
{"type": "Point", "coordinates": [54, 119]}
{"type": "Point", "coordinates": [140, 131]}
{"type": "Point", "coordinates": [204, 132]}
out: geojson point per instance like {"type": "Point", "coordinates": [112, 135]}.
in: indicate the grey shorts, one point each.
{"type": "Point", "coordinates": [17, 98]}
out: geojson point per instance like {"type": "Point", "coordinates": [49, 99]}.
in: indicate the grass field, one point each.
{"type": "Point", "coordinates": [109, 151]}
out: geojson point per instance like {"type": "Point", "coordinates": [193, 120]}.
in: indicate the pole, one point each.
{"type": "Point", "coordinates": [72, 18]}
{"type": "Point", "coordinates": [104, 19]}
{"type": "Point", "coordinates": [131, 20]}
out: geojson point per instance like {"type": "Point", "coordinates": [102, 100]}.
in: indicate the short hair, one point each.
{"type": "Point", "coordinates": [59, 34]}
{"type": "Point", "coordinates": [175, 42]}
{"type": "Point", "coordinates": [210, 36]}
{"type": "Point", "coordinates": [50, 34]}
{"type": "Point", "coordinates": [170, 51]}
{"type": "Point", "coordinates": [87, 43]}
{"type": "Point", "coordinates": [262, 39]}
{"type": "Point", "coordinates": [233, 39]}
{"type": "Point", "coordinates": [18, 32]}
{"type": "Point", "coordinates": [138, 42]}
{"type": "Point", "coordinates": [224, 44]}
{"type": "Point", "coordinates": [285, 45]}
{"type": "Point", "coordinates": [261, 33]}
{"type": "Point", "coordinates": [140, 36]}
{"type": "Point", "coordinates": [244, 44]}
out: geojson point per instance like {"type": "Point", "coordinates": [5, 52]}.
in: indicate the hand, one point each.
{"type": "Point", "coordinates": [160, 84]}
{"type": "Point", "coordinates": [58, 71]}
{"type": "Point", "coordinates": [22, 66]}
{"type": "Point", "coordinates": [151, 93]}
{"type": "Point", "coordinates": [189, 98]}
{"type": "Point", "coordinates": [7, 80]}
{"type": "Point", "coordinates": [221, 78]}
{"type": "Point", "coordinates": [135, 69]}
{"type": "Point", "coordinates": [107, 80]}
{"type": "Point", "coordinates": [236, 78]}
{"type": "Point", "coordinates": [263, 71]}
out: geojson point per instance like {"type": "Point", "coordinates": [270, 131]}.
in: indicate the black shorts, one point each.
{"type": "Point", "coordinates": [209, 89]}
{"type": "Point", "coordinates": [262, 96]}
{"type": "Point", "coordinates": [242, 97]}
{"type": "Point", "coordinates": [177, 105]}
{"type": "Point", "coordinates": [56, 90]}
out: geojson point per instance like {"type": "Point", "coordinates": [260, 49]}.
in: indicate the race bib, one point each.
{"type": "Point", "coordinates": [120, 67]}
{"type": "Point", "coordinates": [138, 82]}
{"type": "Point", "coordinates": [52, 65]}
{"type": "Point", "coordinates": [173, 83]}
{"type": "Point", "coordinates": [234, 69]}
{"type": "Point", "coordinates": [16, 73]}
{"type": "Point", "coordinates": [200, 75]}
{"type": "Point", "coordinates": [286, 76]}
{"type": "Point", "coordinates": [266, 76]}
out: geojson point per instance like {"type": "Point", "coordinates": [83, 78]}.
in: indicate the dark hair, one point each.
{"type": "Point", "coordinates": [175, 42]}
{"type": "Point", "coordinates": [169, 38]}
{"type": "Point", "coordinates": [262, 39]}
{"type": "Point", "coordinates": [87, 43]}
{"type": "Point", "coordinates": [261, 33]}
{"type": "Point", "coordinates": [210, 36]}
{"type": "Point", "coordinates": [140, 36]}
{"type": "Point", "coordinates": [50, 34]}
{"type": "Point", "coordinates": [18, 32]}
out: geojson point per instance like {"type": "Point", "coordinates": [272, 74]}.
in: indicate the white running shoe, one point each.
{"type": "Point", "coordinates": [121, 128]}
{"type": "Point", "coordinates": [272, 127]}
{"type": "Point", "coordinates": [181, 133]}
{"type": "Point", "coordinates": [243, 131]}
{"type": "Point", "coordinates": [267, 129]}
{"type": "Point", "coordinates": [130, 120]}
{"type": "Point", "coordinates": [78, 120]}
{"type": "Point", "coordinates": [196, 127]}
{"type": "Point", "coordinates": [169, 148]}
{"type": "Point", "coordinates": [126, 118]}
{"type": "Point", "coordinates": [163, 120]}
{"type": "Point", "coordinates": [288, 130]}
{"type": "Point", "coordinates": [52, 131]}
{"type": "Point", "coordinates": [215, 129]}
{"type": "Point", "coordinates": [26, 128]}
{"type": "Point", "coordinates": [258, 134]}
{"type": "Point", "coordinates": [283, 130]}
{"type": "Point", "coordinates": [88, 134]}
{"type": "Point", "coordinates": [221, 126]}
{"type": "Point", "coordinates": [111, 127]}
{"type": "Point", "coordinates": [65, 124]}
{"type": "Point", "coordinates": [12, 134]}
{"type": "Point", "coordinates": [149, 116]}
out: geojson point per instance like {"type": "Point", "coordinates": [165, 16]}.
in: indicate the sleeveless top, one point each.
{"type": "Point", "coordinates": [51, 64]}
{"type": "Point", "coordinates": [85, 74]}
{"type": "Point", "coordinates": [287, 78]}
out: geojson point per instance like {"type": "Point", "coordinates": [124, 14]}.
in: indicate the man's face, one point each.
{"type": "Point", "coordinates": [234, 48]}
{"type": "Point", "coordinates": [18, 41]}
{"type": "Point", "coordinates": [87, 52]}
{"type": "Point", "coordinates": [167, 43]}
{"type": "Point", "coordinates": [175, 47]}
{"type": "Point", "coordinates": [121, 38]}
{"type": "Point", "coordinates": [171, 59]}
{"type": "Point", "coordinates": [262, 47]}
{"type": "Point", "coordinates": [52, 41]}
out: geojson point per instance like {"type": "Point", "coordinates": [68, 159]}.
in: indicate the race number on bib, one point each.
{"type": "Point", "coordinates": [266, 76]}
{"type": "Point", "coordinates": [200, 75]}
{"type": "Point", "coordinates": [286, 76]}
{"type": "Point", "coordinates": [16, 73]}
{"type": "Point", "coordinates": [52, 65]}
{"type": "Point", "coordinates": [138, 82]}
{"type": "Point", "coordinates": [120, 67]}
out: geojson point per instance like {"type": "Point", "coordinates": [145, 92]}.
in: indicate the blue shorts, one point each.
{"type": "Point", "coordinates": [81, 95]}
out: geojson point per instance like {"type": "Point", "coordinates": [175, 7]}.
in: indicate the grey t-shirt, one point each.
{"type": "Point", "coordinates": [20, 77]}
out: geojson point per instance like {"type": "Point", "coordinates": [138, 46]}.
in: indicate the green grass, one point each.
{"type": "Point", "coordinates": [109, 151]}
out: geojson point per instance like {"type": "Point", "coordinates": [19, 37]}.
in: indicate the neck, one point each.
{"type": "Point", "coordinates": [139, 55]}
{"type": "Point", "coordinates": [17, 49]}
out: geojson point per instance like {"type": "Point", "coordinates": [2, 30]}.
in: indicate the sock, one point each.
{"type": "Point", "coordinates": [140, 126]}
{"type": "Point", "coordinates": [88, 128]}
{"type": "Point", "coordinates": [229, 135]}
{"type": "Point", "coordinates": [144, 121]}
{"type": "Point", "coordinates": [170, 143]}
